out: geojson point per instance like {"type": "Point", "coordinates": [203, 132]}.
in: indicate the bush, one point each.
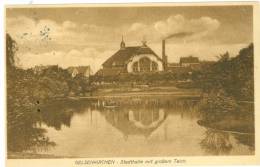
{"type": "Point", "coordinates": [216, 104]}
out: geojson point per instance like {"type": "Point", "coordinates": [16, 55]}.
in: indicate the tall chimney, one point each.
{"type": "Point", "coordinates": [164, 57]}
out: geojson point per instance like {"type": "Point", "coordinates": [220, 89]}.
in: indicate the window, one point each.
{"type": "Point", "coordinates": [154, 66]}
{"type": "Point", "coordinates": [144, 64]}
{"type": "Point", "coordinates": [135, 67]}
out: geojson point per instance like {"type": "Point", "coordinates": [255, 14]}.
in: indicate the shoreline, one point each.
{"type": "Point", "coordinates": [143, 92]}
{"type": "Point", "coordinates": [23, 155]}
{"type": "Point", "coordinates": [126, 95]}
{"type": "Point", "coordinates": [230, 129]}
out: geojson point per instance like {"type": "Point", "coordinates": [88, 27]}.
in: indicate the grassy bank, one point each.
{"type": "Point", "coordinates": [145, 90]}
{"type": "Point", "coordinates": [22, 155]}
{"type": "Point", "coordinates": [236, 126]}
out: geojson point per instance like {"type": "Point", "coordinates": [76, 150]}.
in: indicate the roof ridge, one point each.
{"type": "Point", "coordinates": [122, 55]}
{"type": "Point", "coordinates": [134, 46]}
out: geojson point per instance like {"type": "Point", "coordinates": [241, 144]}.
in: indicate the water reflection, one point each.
{"type": "Point", "coordinates": [156, 126]}
{"type": "Point", "coordinates": [133, 119]}
{"type": "Point", "coordinates": [23, 134]}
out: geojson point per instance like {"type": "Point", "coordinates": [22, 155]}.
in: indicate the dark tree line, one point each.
{"type": "Point", "coordinates": [49, 83]}
{"type": "Point", "coordinates": [228, 92]}
{"type": "Point", "coordinates": [26, 91]}
{"type": "Point", "coordinates": [234, 76]}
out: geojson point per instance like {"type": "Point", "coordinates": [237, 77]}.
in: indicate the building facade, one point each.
{"type": "Point", "coordinates": [142, 59]}
{"type": "Point", "coordinates": [132, 59]}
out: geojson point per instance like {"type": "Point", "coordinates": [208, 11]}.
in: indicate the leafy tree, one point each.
{"type": "Point", "coordinates": [233, 75]}
{"type": "Point", "coordinates": [79, 85]}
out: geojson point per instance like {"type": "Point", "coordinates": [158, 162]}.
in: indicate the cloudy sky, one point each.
{"type": "Point", "coordinates": [88, 36]}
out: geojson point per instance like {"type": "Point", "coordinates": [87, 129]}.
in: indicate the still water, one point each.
{"type": "Point", "coordinates": [106, 127]}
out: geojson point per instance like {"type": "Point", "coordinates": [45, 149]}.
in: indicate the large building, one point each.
{"type": "Point", "coordinates": [133, 59]}
{"type": "Point", "coordinates": [142, 59]}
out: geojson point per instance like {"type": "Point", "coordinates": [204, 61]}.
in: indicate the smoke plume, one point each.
{"type": "Point", "coordinates": [179, 35]}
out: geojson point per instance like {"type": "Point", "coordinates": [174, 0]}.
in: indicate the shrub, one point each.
{"type": "Point", "coordinates": [216, 104]}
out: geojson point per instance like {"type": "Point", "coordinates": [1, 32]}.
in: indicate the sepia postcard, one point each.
{"type": "Point", "coordinates": [132, 84]}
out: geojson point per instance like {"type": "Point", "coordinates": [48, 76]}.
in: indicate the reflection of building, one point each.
{"type": "Point", "coordinates": [132, 59]}
{"type": "Point", "coordinates": [140, 121]}
{"type": "Point", "coordinates": [84, 70]}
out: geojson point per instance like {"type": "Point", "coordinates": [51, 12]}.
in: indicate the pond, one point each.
{"type": "Point", "coordinates": [108, 127]}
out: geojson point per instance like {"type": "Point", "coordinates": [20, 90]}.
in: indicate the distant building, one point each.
{"type": "Point", "coordinates": [174, 67]}
{"type": "Point", "coordinates": [39, 68]}
{"type": "Point", "coordinates": [84, 70]}
{"type": "Point", "coordinates": [189, 61]}
{"type": "Point", "coordinates": [186, 63]}
{"type": "Point", "coordinates": [132, 59]}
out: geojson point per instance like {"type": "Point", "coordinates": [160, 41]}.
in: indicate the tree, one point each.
{"type": "Point", "coordinates": [11, 49]}
{"type": "Point", "coordinates": [233, 75]}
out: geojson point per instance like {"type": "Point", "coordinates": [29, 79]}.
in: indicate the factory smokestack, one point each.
{"type": "Point", "coordinates": [164, 57]}
{"type": "Point", "coordinates": [176, 35]}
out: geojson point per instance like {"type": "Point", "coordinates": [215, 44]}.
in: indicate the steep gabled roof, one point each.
{"type": "Point", "coordinates": [124, 54]}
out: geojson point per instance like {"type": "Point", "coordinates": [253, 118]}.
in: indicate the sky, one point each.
{"type": "Point", "coordinates": [69, 36]}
